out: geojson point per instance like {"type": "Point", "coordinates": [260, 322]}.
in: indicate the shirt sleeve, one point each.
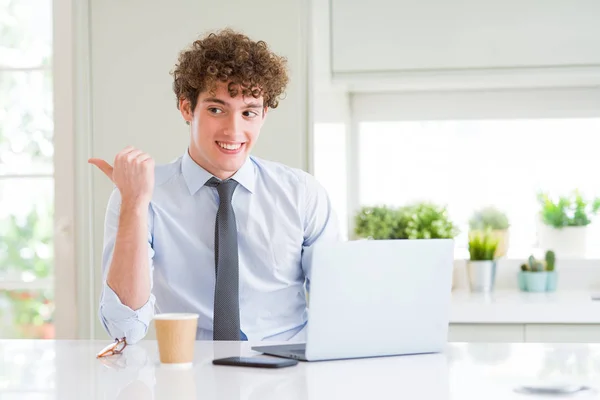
{"type": "Point", "coordinates": [321, 223]}
{"type": "Point", "coordinates": [118, 319]}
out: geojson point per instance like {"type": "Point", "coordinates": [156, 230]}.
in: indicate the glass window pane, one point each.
{"type": "Point", "coordinates": [25, 33]}
{"type": "Point", "coordinates": [26, 122]}
{"type": "Point", "coordinates": [470, 164]}
{"type": "Point", "coordinates": [26, 229]}
{"type": "Point", "coordinates": [27, 314]}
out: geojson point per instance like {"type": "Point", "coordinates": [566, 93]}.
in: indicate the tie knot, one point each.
{"type": "Point", "coordinates": [224, 188]}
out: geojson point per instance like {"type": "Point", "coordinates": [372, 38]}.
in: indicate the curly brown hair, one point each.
{"type": "Point", "coordinates": [228, 56]}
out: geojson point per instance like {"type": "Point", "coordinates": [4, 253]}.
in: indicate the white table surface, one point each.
{"type": "Point", "coordinates": [516, 307]}
{"type": "Point", "coordinates": [69, 370]}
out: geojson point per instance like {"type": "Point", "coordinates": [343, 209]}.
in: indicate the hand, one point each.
{"type": "Point", "coordinates": [133, 174]}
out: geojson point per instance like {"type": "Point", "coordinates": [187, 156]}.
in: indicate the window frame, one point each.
{"type": "Point", "coordinates": [74, 258]}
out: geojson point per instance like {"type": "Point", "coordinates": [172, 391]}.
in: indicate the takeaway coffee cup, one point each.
{"type": "Point", "coordinates": [176, 336]}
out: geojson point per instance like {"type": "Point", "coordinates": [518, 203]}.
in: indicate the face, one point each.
{"type": "Point", "coordinates": [223, 129]}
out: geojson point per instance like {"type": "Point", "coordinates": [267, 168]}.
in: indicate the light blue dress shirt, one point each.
{"type": "Point", "coordinates": [280, 212]}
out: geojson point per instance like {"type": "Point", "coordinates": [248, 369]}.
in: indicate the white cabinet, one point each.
{"type": "Point", "coordinates": [555, 333]}
{"type": "Point", "coordinates": [519, 333]}
{"type": "Point", "coordinates": [433, 35]}
{"type": "Point", "coordinates": [503, 333]}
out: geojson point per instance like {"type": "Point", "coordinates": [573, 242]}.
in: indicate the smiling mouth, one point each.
{"type": "Point", "coordinates": [230, 148]}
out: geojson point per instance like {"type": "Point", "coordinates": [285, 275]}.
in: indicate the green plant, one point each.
{"type": "Point", "coordinates": [550, 260]}
{"type": "Point", "coordinates": [570, 210]}
{"type": "Point", "coordinates": [422, 220]}
{"type": "Point", "coordinates": [426, 220]}
{"type": "Point", "coordinates": [534, 265]}
{"type": "Point", "coordinates": [489, 217]}
{"type": "Point", "coordinates": [30, 235]}
{"type": "Point", "coordinates": [26, 250]}
{"type": "Point", "coordinates": [379, 222]}
{"type": "Point", "coordinates": [482, 245]}
{"type": "Point", "coordinates": [524, 267]}
{"type": "Point", "coordinates": [32, 307]}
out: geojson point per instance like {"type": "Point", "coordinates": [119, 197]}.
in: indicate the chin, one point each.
{"type": "Point", "coordinates": [231, 165]}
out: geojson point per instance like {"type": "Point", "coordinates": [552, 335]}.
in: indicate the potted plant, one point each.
{"type": "Point", "coordinates": [496, 220]}
{"type": "Point", "coordinates": [564, 223]}
{"type": "Point", "coordinates": [423, 220]}
{"type": "Point", "coordinates": [378, 222]}
{"type": "Point", "coordinates": [426, 220]}
{"type": "Point", "coordinates": [539, 275]}
{"type": "Point", "coordinates": [481, 267]}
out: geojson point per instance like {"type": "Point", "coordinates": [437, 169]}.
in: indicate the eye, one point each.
{"type": "Point", "coordinates": [250, 114]}
{"type": "Point", "coordinates": [214, 110]}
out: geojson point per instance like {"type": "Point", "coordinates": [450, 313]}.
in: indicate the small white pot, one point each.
{"type": "Point", "coordinates": [567, 242]}
{"type": "Point", "coordinates": [482, 275]}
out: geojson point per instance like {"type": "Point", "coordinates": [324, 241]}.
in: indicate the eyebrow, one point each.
{"type": "Point", "coordinates": [223, 102]}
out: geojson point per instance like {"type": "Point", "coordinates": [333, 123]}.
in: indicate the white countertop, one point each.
{"type": "Point", "coordinates": [69, 370]}
{"type": "Point", "coordinates": [516, 307]}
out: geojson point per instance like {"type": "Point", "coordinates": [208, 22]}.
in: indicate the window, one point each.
{"type": "Point", "coordinates": [26, 170]}
{"type": "Point", "coordinates": [467, 164]}
{"type": "Point", "coordinates": [465, 150]}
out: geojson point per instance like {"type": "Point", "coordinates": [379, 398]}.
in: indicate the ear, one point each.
{"type": "Point", "coordinates": [264, 116]}
{"type": "Point", "coordinates": [185, 107]}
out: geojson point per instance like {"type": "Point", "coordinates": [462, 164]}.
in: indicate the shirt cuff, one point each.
{"type": "Point", "coordinates": [121, 321]}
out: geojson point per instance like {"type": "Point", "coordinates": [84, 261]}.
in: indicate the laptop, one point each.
{"type": "Point", "coordinates": [373, 298]}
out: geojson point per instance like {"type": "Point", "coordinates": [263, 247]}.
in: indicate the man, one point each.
{"type": "Point", "coordinates": [218, 232]}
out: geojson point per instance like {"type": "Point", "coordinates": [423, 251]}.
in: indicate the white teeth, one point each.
{"type": "Point", "coordinates": [230, 146]}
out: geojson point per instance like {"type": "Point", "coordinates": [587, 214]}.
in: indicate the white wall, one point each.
{"type": "Point", "coordinates": [385, 35]}
{"type": "Point", "coordinates": [329, 103]}
{"type": "Point", "coordinates": [134, 44]}
{"type": "Point", "coordinates": [405, 45]}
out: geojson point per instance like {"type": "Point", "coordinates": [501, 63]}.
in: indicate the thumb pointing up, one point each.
{"type": "Point", "coordinates": [103, 166]}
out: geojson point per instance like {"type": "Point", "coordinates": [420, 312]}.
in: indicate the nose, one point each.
{"type": "Point", "coordinates": [233, 127]}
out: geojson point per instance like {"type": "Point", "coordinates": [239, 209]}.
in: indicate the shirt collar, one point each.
{"type": "Point", "coordinates": [195, 176]}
